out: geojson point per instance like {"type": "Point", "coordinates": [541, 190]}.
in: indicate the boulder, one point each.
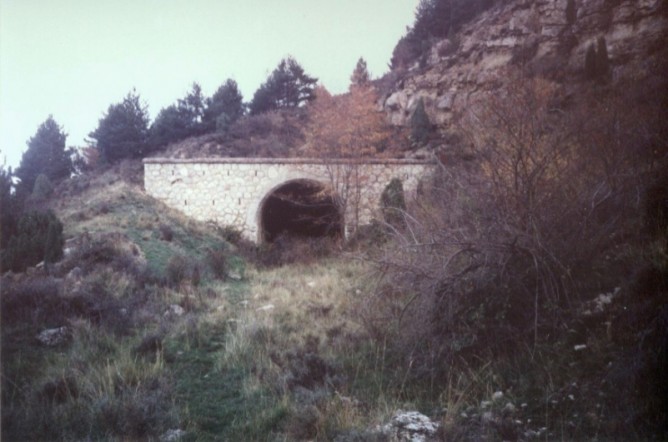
{"type": "Point", "coordinates": [446, 101]}
{"type": "Point", "coordinates": [410, 426]}
{"type": "Point", "coordinates": [174, 310]}
{"type": "Point", "coordinates": [172, 435]}
{"type": "Point", "coordinates": [54, 336]}
{"type": "Point", "coordinates": [397, 100]}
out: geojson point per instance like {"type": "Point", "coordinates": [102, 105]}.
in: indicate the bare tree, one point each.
{"type": "Point", "coordinates": [503, 243]}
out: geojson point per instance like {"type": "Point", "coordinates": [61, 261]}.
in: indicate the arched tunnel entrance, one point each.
{"type": "Point", "coordinates": [301, 208]}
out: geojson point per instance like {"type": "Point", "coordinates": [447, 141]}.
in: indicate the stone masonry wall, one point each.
{"type": "Point", "coordinates": [231, 191]}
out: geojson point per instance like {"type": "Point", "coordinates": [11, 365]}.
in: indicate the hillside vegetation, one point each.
{"type": "Point", "coordinates": [523, 295]}
{"type": "Point", "coordinates": [166, 328]}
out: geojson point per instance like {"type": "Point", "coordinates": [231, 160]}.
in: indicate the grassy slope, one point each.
{"type": "Point", "coordinates": [280, 355]}
{"type": "Point", "coordinates": [227, 369]}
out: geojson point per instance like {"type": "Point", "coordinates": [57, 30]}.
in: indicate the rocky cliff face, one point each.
{"type": "Point", "coordinates": [535, 35]}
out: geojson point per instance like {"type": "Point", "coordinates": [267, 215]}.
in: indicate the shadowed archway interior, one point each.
{"type": "Point", "coordinates": [301, 208]}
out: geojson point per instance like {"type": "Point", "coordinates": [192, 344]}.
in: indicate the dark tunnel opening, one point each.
{"type": "Point", "coordinates": [301, 209]}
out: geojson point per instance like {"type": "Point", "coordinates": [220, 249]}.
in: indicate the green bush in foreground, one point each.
{"type": "Point", "coordinates": [39, 237]}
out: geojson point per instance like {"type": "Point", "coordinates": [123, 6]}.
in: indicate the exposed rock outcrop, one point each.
{"type": "Point", "coordinates": [534, 34]}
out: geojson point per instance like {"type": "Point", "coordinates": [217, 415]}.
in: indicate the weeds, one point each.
{"type": "Point", "coordinates": [318, 346]}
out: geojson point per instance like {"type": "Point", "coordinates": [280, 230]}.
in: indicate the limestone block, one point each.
{"type": "Point", "coordinates": [397, 101]}
{"type": "Point", "coordinates": [446, 101]}
{"type": "Point", "coordinates": [272, 172]}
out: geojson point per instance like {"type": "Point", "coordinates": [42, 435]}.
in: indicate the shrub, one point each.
{"type": "Point", "coordinates": [113, 249]}
{"type": "Point", "coordinates": [497, 254]}
{"type": "Point", "coordinates": [166, 232]}
{"type": "Point", "coordinates": [178, 270]}
{"type": "Point", "coordinates": [230, 234]}
{"type": "Point", "coordinates": [421, 127]}
{"type": "Point", "coordinates": [53, 247]}
{"type": "Point", "coordinates": [29, 245]}
{"type": "Point", "coordinates": [393, 204]}
{"type": "Point", "coordinates": [31, 301]}
{"type": "Point", "coordinates": [217, 261]}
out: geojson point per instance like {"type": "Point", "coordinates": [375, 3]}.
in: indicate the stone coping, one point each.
{"type": "Point", "coordinates": [237, 160]}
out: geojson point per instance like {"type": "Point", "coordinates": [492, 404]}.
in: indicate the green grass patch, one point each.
{"type": "Point", "coordinates": [216, 402]}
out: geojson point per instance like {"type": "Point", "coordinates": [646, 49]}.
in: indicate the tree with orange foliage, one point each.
{"type": "Point", "coordinates": [345, 129]}
{"type": "Point", "coordinates": [346, 126]}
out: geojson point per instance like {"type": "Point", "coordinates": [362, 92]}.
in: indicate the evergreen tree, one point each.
{"type": "Point", "coordinates": [28, 246]}
{"type": "Point", "coordinates": [123, 131]}
{"type": "Point", "coordinates": [171, 124]}
{"type": "Point", "coordinates": [421, 127]}
{"type": "Point", "coordinates": [602, 60]}
{"type": "Point", "coordinates": [405, 52]}
{"type": "Point", "coordinates": [224, 107]}
{"type": "Point", "coordinates": [393, 203]}
{"type": "Point", "coordinates": [571, 12]}
{"type": "Point", "coordinates": [590, 63]}
{"type": "Point", "coordinates": [43, 187]}
{"type": "Point", "coordinates": [360, 76]}
{"type": "Point", "coordinates": [46, 154]}
{"type": "Point", "coordinates": [192, 108]}
{"type": "Point", "coordinates": [179, 121]}
{"type": "Point", "coordinates": [288, 86]}
{"type": "Point", "coordinates": [597, 63]}
{"type": "Point", "coordinates": [53, 245]}
{"type": "Point", "coordinates": [8, 208]}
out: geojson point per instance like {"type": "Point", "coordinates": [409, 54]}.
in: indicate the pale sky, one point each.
{"type": "Point", "coordinates": [73, 58]}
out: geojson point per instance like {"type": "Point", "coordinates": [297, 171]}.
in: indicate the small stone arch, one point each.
{"type": "Point", "coordinates": [300, 207]}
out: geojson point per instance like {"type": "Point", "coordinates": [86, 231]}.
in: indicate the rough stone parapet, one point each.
{"type": "Point", "coordinates": [228, 160]}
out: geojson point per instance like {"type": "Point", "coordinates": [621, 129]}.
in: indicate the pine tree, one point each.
{"type": "Point", "coordinates": [288, 86]}
{"type": "Point", "coordinates": [421, 127]}
{"type": "Point", "coordinates": [46, 154]}
{"type": "Point", "coordinates": [590, 63]}
{"type": "Point", "coordinates": [123, 130]}
{"type": "Point", "coordinates": [602, 60]}
{"type": "Point", "coordinates": [170, 125]}
{"type": "Point", "coordinates": [8, 208]}
{"type": "Point", "coordinates": [53, 246]}
{"type": "Point", "coordinates": [179, 121]}
{"type": "Point", "coordinates": [192, 107]}
{"type": "Point", "coordinates": [38, 237]}
{"type": "Point", "coordinates": [360, 76]}
{"type": "Point", "coordinates": [225, 107]}
{"type": "Point", "coordinates": [571, 12]}
{"type": "Point", "coordinates": [597, 63]}
{"type": "Point", "coordinates": [43, 187]}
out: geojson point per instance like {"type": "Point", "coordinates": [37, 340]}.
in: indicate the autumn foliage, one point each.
{"type": "Point", "coordinates": [346, 126]}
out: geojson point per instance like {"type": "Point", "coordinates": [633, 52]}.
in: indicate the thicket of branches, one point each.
{"type": "Point", "coordinates": [502, 246]}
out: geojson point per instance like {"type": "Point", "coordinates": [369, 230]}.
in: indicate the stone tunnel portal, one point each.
{"type": "Point", "coordinates": [300, 208]}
